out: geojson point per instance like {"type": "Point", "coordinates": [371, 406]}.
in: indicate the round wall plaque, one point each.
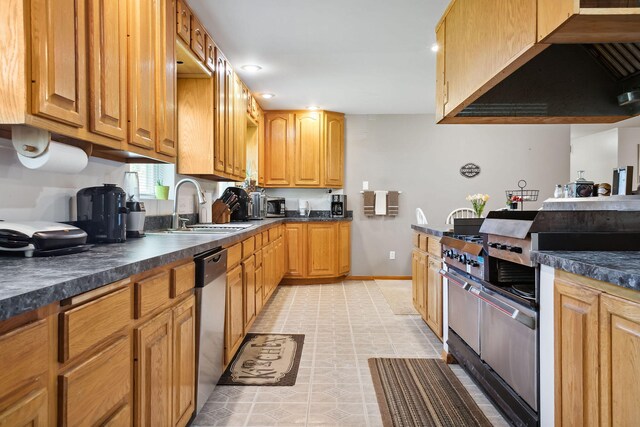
{"type": "Point", "coordinates": [470, 170]}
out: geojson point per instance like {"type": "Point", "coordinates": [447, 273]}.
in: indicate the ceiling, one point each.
{"type": "Point", "coordinates": [352, 56]}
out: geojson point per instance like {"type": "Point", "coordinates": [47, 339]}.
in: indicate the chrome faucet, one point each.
{"type": "Point", "coordinates": [175, 218]}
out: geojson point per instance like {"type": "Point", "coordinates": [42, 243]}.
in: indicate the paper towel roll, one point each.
{"type": "Point", "coordinates": [58, 157]}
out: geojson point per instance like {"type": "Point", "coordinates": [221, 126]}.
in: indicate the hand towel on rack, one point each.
{"type": "Point", "coordinates": [381, 202]}
{"type": "Point", "coordinates": [393, 203]}
{"type": "Point", "coordinates": [369, 203]}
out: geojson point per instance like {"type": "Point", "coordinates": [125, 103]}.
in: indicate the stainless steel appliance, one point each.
{"type": "Point", "coordinates": [276, 207]}
{"type": "Point", "coordinates": [137, 212]}
{"type": "Point", "coordinates": [258, 205]}
{"type": "Point", "coordinates": [41, 238]}
{"type": "Point", "coordinates": [211, 285]}
{"type": "Point", "coordinates": [338, 205]}
{"type": "Point", "coordinates": [102, 213]}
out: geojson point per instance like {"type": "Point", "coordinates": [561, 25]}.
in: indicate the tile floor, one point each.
{"type": "Point", "coordinates": [344, 325]}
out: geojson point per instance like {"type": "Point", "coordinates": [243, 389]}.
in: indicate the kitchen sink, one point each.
{"type": "Point", "coordinates": [208, 229]}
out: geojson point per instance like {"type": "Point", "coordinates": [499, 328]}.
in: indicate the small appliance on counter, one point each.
{"type": "Point", "coordinates": [102, 213]}
{"type": "Point", "coordinates": [276, 207]}
{"type": "Point", "coordinates": [258, 205]}
{"type": "Point", "coordinates": [42, 238]}
{"type": "Point", "coordinates": [239, 206]}
{"type": "Point", "coordinates": [137, 212]}
{"type": "Point", "coordinates": [581, 187]}
{"type": "Point", "coordinates": [303, 207]}
{"type": "Point", "coordinates": [338, 205]}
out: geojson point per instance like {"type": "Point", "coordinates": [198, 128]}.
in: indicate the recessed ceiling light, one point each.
{"type": "Point", "coordinates": [313, 107]}
{"type": "Point", "coordinates": [267, 95]}
{"type": "Point", "coordinates": [435, 47]}
{"type": "Point", "coordinates": [251, 68]}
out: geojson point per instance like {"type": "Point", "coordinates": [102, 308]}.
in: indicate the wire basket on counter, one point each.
{"type": "Point", "coordinates": [522, 195]}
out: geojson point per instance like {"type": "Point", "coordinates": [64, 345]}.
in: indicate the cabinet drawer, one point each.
{"type": "Point", "coordinates": [434, 248]}
{"type": "Point", "coordinates": [234, 255]}
{"type": "Point", "coordinates": [424, 242]}
{"type": "Point", "coordinates": [183, 278]}
{"type": "Point", "coordinates": [24, 353]}
{"type": "Point", "coordinates": [198, 38]}
{"type": "Point", "coordinates": [248, 247]}
{"type": "Point", "coordinates": [98, 388]}
{"type": "Point", "coordinates": [152, 293]}
{"type": "Point", "coordinates": [88, 325]}
{"type": "Point", "coordinates": [258, 238]}
{"type": "Point", "coordinates": [273, 234]}
{"type": "Point", "coordinates": [184, 22]}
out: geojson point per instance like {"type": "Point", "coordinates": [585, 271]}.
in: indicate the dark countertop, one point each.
{"type": "Point", "coordinates": [618, 268]}
{"type": "Point", "coordinates": [30, 283]}
{"type": "Point", "coordinates": [436, 230]}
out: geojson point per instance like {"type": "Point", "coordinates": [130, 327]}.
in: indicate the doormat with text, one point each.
{"type": "Point", "coordinates": [265, 359]}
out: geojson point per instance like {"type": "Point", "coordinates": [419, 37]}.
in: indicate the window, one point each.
{"type": "Point", "coordinates": [149, 174]}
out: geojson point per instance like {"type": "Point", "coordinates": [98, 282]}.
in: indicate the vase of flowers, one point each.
{"type": "Point", "coordinates": [478, 202]}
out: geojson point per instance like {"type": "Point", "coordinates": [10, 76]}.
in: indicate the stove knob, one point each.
{"type": "Point", "coordinates": [462, 258]}
{"type": "Point", "coordinates": [515, 249]}
{"type": "Point", "coordinates": [493, 245]}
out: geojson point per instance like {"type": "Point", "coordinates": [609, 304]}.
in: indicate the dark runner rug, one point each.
{"type": "Point", "coordinates": [265, 359]}
{"type": "Point", "coordinates": [422, 392]}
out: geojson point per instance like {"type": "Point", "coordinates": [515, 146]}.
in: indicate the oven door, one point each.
{"type": "Point", "coordinates": [509, 343]}
{"type": "Point", "coordinates": [464, 308]}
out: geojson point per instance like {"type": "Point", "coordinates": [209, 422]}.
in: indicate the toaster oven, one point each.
{"type": "Point", "coordinates": [275, 207]}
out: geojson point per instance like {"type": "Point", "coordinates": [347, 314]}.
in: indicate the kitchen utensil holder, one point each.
{"type": "Point", "coordinates": [220, 213]}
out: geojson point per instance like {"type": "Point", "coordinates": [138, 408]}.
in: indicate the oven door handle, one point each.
{"type": "Point", "coordinates": [456, 279]}
{"type": "Point", "coordinates": [505, 308]}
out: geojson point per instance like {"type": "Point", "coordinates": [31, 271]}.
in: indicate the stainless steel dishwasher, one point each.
{"type": "Point", "coordinates": [211, 290]}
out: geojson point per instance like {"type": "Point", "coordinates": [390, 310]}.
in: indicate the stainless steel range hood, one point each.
{"type": "Point", "coordinates": [568, 80]}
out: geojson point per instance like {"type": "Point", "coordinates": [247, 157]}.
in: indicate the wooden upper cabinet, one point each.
{"type": "Point", "coordinates": [619, 362]}
{"type": "Point", "coordinates": [577, 362]}
{"type": "Point", "coordinates": [167, 80]}
{"type": "Point", "coordinates": [321, 257]}
{"type": "Point", "coordinates": [183, 21]}
{"type": "Point", "coordinates": [143, 38]}
{"type": "Point", "coordinates": [344, 247]}
{"type": "Point", "coordinates": [58, 60]}
{"type": "Point", "coordinates": [198, 38]}
{"type": "Point", "coordinates": [210, 59]}
{"type": "Point", "coordinates": [229, 120]}
{"type": "Point", "coordinates": [308, 149]}
{"type": "Point", "coordinates": [441, 89]}
{"type": "Point", "coordinates": [296, 237]}
{"type": "Point", "coordinates": [220, 105]}
{"type": "Point", "coordinates": [184, 361]}
{"type": "Point", "coordinates": [108, 67]}
{"type": "Point", "coordinates": [277, 150]}
{"type": "Point", "coordinates": [334, 150]}
{"type": "Point", "coordinates": [153, 381]}
{"type": "Point", "coordinates": [240, 128]}
{"type": "Point", "coordinates": [482, 38]}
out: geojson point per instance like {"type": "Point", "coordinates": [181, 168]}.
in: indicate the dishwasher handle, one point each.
{"type": "Point", "coordinates": [209, 266]}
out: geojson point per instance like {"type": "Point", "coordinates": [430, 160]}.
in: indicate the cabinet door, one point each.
{"type": "Point", "coordinates": [58, 60]}
{"type": "Point", "coordinates": [219, 102]}
{"type": "Point", "coordinates": [344, 247]}
{"type": "Point", "coordinates": [261, 153]}
{"type": "Point", "coordinates": [234, 313]}
{"type": "Point", "coordinates": [308, 149]}
{"type": "Point", "coordinates": [153, 371]}
{"type": "Point", "coordinates": [321, 260]}
{"type": "Point", "coordinates": [278, 140]}
{"type": "Point", "coordinates": [434, 297]}
{"type": "Point", "coordinates": [295, 234]}
{"type": "Point", "coordinates": [108, 68]}
{"type": "Point", "coordinates": [422, 284]}
{"type": "Point", "coordinates": [333, 150]}
{"type": "Point", "coordinates": [229, 120]}
{"type": "Point", "coordinates": [143, 40]}
{"type": "Point", "coordinates": [576, 354]}
{"type": "Point", "coordinates": [259, 288]}
{"type": "Point", "coordinates": [619, 363]}
{"type": "Point", "coordinates": [31, 410]}
{"type": "Point", "coordinates": [97, 389]}
{"type": "Point", "coordinates": [240, 117]}
{"type": "Point", "coordinates": [210, 60]}
{"type": "Point", "coordinates": [441, 95]}
{"type": "Point", "coordinates": [184, 22]}
{"type": "Point", "coordinates": [249, 287]}
{"type": "Point", "coordinates": [166, 73]}
{"type": "Point", "coordinates": [198, 38]}
{"type": "Point", "coordinates": [414, 279]}
{"type": "Point", "coordinates": [184, 358]}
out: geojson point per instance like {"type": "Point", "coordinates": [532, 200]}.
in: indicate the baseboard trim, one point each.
{"type": "Point", "coordinates": [312, 281]}
{"type": "Point", "coordinates": [377, 278]}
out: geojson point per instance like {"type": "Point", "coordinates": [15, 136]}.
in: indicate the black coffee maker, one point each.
{"type": "Point", "coordinates": [240, 208]}
{"type": "Point", "coordinates": [102, 213]}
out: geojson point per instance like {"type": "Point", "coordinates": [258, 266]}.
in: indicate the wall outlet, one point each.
{"type": "Point", "coordinates": [392, 254]}
{"type": "Point", "coordinates": [365, 185]}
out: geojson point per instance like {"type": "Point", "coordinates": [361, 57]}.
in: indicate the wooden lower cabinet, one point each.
{"type": "Point", "coordinates": [234, 330]}
{"type": "Point", "coordinates": [30, 410]}
{"type": "Point", "coordinates": [153, 371]}
{"type": "Point", "coordinates": [344, 248]}
{"type": "Point", "coordinates": [296, 235]}
{"type": "Point", "coordinates": [426, 281]}
{"type": "Point", "coordinates": [184, 361]}
{"type": "Point", "coordinates": [434, 296]}
{"type": "Point", "coordinates": [249, 288]}
{"type": "Point", "coordinates": [321, 256]}
{"type": "Point", "coordinates": [422, 284]}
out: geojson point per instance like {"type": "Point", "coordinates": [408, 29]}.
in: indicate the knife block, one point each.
{"type": "Point", "coordinates": [220, 213]}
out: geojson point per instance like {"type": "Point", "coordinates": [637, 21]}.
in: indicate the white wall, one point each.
{"type": "Point", "coordinates": [34, 195]}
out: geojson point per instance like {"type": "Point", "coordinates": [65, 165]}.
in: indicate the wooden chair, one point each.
{"type": "Point", "coordinates": [460, 213]}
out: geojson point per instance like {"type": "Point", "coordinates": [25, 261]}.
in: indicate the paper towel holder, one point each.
{"type": "Point", "coordinates": [33, 142]}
